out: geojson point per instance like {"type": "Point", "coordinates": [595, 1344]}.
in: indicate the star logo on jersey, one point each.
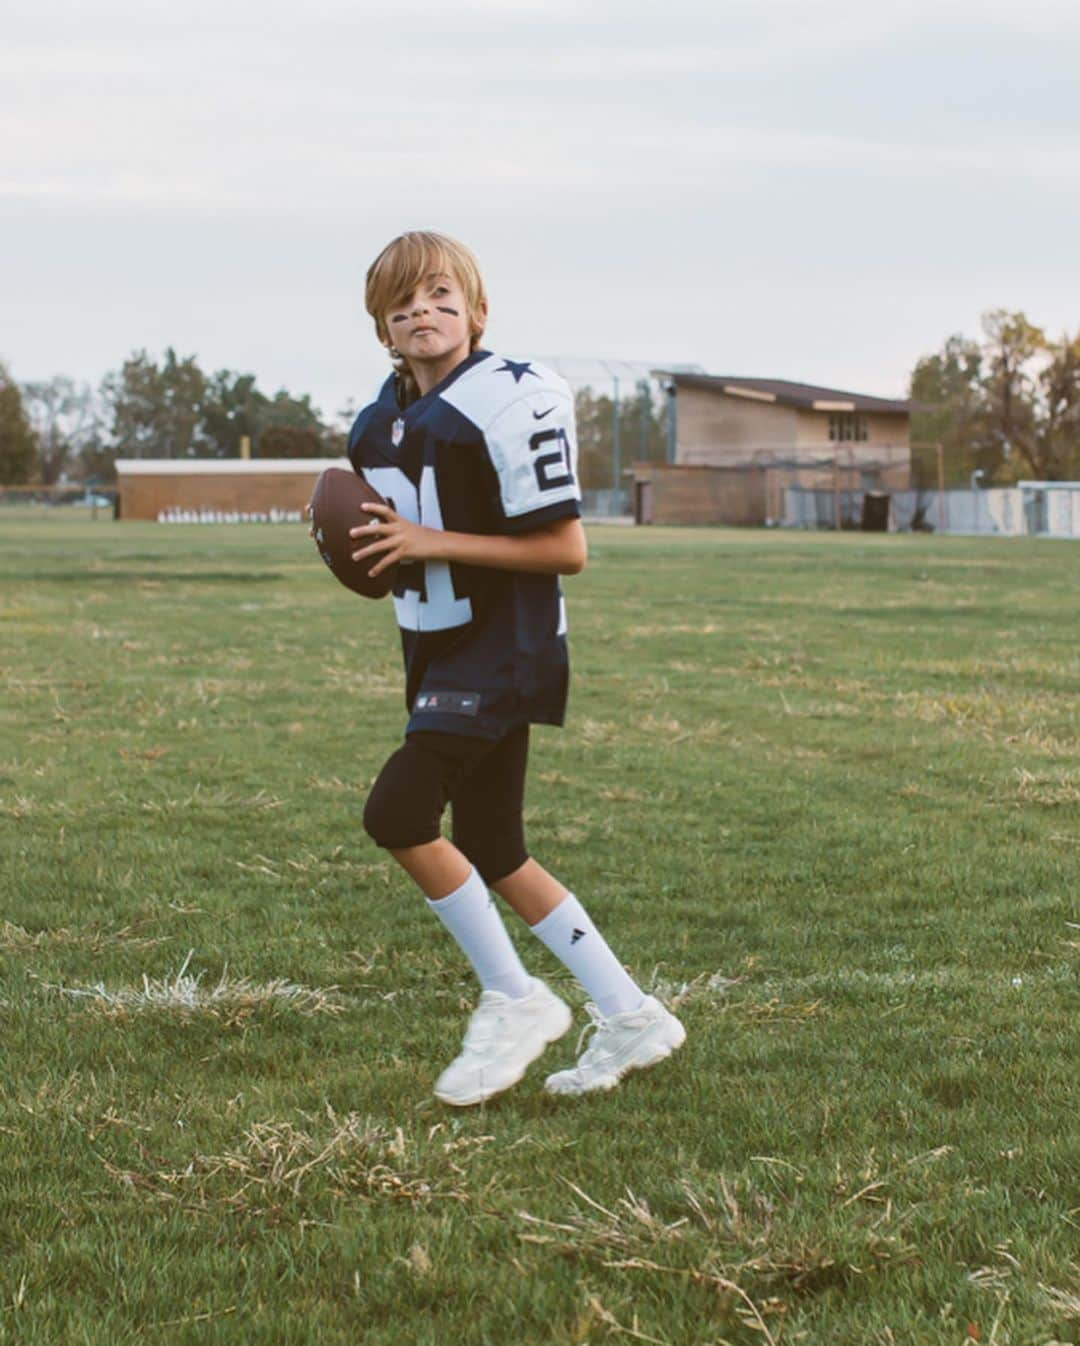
{"type": "Point", "coordinates": [397, 433]}
{"type": "Point", "coordinates": [518, 369]}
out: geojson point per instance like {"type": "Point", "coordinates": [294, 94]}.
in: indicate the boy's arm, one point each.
{"type": "Point", "coordinates": [557, 548]}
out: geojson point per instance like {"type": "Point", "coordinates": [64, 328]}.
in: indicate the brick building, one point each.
{"type": "Point", "coordinates": [737, 443]}
{"type": "Point", "coordinates": [152, 488]}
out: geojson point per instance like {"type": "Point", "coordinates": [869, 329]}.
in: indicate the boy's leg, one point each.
{"type": "Point", "coordinates": [402, 814]}
{"type": "Point", "coordinates": [488, 804]}
{"type": "Point", "coordinates": [459, 897]}
{"type": "Point", "coordinates": [633, 1029]}
{"type": "Point", "coordinates": [518, 1015]}
{"type": "Point", "coordinates": [561, 923]}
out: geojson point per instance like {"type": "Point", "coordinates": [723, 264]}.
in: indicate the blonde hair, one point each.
{"type": "Point", "coordinates": [399, 269]}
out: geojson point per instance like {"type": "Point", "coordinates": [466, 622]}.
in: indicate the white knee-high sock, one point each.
{"type": "Point", "coordinates": [574, 940]}
{"type": "Point", "coordinates": [470, 914]}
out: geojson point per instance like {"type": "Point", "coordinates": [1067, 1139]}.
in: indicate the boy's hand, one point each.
{"type": "Point", "coordinates": [308, 515]}
{"type": "Point", "coordinates": [397, 539]}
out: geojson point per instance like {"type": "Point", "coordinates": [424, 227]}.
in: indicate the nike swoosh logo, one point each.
{"type": "Point", "coordinates": [539, 415]}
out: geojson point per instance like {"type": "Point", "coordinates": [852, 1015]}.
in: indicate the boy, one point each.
{"type": "Point", "coordinates": [476, 457]}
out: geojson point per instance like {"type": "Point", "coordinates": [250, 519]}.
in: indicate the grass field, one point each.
{"type": "Point", "coordinates": [822, 791]}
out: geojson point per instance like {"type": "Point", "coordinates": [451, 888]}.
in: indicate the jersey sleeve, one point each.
{"type": "Point", "coordinates": [532, 446]}
{"type": "Point", "coordinates": [364, 418]}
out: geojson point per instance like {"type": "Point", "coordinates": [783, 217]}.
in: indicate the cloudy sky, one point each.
{"type": "Point", "coordinates": [798, 189]}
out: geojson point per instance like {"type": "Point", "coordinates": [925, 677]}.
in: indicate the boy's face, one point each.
{"type": "Point", "coordinates": [431, 327]}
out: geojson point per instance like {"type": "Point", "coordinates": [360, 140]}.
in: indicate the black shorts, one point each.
{"type": "Point", "coordinates": [484, 783]}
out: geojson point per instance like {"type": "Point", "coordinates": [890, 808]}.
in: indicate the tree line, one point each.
{"type": "Point", "coordinates": [57, 429]}
{"type": "Point", "coordinates": [1008, 404]}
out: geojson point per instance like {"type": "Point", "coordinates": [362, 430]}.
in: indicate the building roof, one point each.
{"type": "Point", "coordinates": [785, 393]}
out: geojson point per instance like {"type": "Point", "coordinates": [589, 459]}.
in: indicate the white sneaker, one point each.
{"type": "Point", "coordinates": [623, 1042]}
{"type": "Point", "coordinates": [503, 1039]}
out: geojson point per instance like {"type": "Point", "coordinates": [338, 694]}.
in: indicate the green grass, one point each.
{"type": "Point", "coordinates": [822, 791]}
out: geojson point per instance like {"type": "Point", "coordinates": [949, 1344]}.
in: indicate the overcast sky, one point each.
{"type": "Point", "coordinates": [806, 190]}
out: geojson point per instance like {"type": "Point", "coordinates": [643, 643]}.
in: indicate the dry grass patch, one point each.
{"type": "Point", "coordinates": [820, 710]}
{"type": "Point", "coordinates": [738, 1240]}
{"type": "Point", "coordinates": [217, 798]}
{"type": "Point", "coordinates": [20, 807]}
{"type": "Point", "coordinates": [328, 868]}
{"type": "Point", "coordinates": [983, 710]}
{"type": "Point", "coordinates": [278, 1169]}
{"type": "Point", "coordinates": [667, 630]}
{"type": "Point", "coordinates": [15, 939]}
{"type": "Point", "coordinates": [1064, 1302]}
{"type": "Point", "coordinates": [359, 679]}
{"type": "Point", "coordinates": [1040, 739]}
{"type": "Point", "coordinates": [1048, 790]}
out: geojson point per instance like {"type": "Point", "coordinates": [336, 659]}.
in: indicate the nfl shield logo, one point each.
{"type": "Point", "coordinates": [397, 434]}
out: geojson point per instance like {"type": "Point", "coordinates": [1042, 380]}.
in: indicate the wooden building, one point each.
{"type": "Point", "coordinates": [737, 443]}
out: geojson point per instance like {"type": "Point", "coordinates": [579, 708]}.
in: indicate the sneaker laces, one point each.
{"type": "Point", "coordinates": [597, 1022]}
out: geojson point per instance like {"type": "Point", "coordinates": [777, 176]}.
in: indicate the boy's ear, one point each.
{"type": "Point", "coordinates": [479, 318]}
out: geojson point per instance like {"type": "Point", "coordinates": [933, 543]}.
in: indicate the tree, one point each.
{"type": "Point", "coordinates": [299, 418]}
{"type": "Point", "coordinates": [18, 443]}
{"type": "Point", "coordinates": [1009, 404]}
{"type": "Point", "coordinates": [1012, 345]}
{"type": "Point", "coordinates": [336, 434]}
{"type": "Point", "coordinates": [1059, 392]}
{"type": "Point", "coordinates": [642, 434]}
{"type": "Point", "coordinates": [290, 441]}
{"type": "Point", "coordinates": [232, 408]}
{"type": "Point", "coordinates": [949, 408]}
{"type": "Point", "coordinates": [157, 412]}
{"type": "Point", "coordinates": [65, 419]}
{"type": "Point", "coordinates": [97, 461]}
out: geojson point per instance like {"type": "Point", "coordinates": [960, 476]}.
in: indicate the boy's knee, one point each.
{"type": "Point", "coordinates": [377, 818]}
{"type": "Point", "coordinates": [494, 855]}
{"type": "Point", "coordinates": [400, 812]}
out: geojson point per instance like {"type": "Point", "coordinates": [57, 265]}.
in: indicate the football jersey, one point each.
{"type": "Point", "coordinates": [491, 449]}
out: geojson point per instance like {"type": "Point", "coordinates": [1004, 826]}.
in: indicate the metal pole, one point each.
{"type": "Point", "coordinates": [669, 388]}
{"type": "Point", "coordinates": [976, 477]}
{"type": "Point", "coordinates": [851, 488]}
{"type": "Point", "coordinates": [941, 487]}
{"type": "Point", "coordinates": [616, 445]}
{"type": "Point", "coordinates": [836, 491]}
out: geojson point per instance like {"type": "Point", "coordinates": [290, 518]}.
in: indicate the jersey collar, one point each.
{"type": "Point", "coordinates": [455, 373]}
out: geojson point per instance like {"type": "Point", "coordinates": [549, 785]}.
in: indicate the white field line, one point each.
{"type": "Point", "coordinates": [716, 987]}
{"type": "Point", "coordinates": [187, 993]}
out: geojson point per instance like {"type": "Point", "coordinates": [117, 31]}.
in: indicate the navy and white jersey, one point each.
{"type": "Point", "coordinates": [491, 449]}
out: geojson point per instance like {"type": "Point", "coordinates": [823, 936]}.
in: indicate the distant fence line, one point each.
{"type": "Point", "coordinates": [1029, 509]}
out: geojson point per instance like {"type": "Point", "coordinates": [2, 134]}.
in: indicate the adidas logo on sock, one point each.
{"type": "Point", "coordinates": [578, 934]}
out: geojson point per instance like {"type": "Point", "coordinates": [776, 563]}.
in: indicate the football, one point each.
{"type": "Point", "coordinates": [335, 508]}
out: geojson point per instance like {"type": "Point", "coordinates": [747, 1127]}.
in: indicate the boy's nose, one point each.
{"type": "Point", "coordinates": [419, 306]}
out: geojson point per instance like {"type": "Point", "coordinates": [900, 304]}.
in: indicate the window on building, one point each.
{"type": "Point", "coordinates": [847, 427]}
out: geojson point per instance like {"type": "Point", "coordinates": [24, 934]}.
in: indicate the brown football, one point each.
{"type": "Point", "coordinates": [335, 508]}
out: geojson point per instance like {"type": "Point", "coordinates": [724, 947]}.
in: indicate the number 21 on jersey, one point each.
{"type": "Point", "coordinates": [438, 609]}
